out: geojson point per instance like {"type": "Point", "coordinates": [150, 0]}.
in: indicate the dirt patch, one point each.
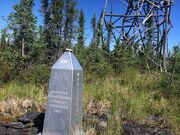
{"type": "Point", "coordinates": [143, 129]}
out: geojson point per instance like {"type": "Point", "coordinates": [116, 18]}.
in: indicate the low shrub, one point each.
{"type": "Point", "coordinates": [38, 74]}
{"type": "Point", "coordinates": [6, 70]}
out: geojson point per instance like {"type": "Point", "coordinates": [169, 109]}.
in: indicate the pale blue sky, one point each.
{"type": "Point", "coordinates": [90, 7]}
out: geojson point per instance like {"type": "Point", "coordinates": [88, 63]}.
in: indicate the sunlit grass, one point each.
{"type": "Point", "coordinates": [132, 97]}
{"type": "Point", "coordinates": [16, 89]}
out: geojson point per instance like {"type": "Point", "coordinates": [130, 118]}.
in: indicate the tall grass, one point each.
{"type": "Point", "coordinates": [16, 89]}
{"type": "Point", "coordinates": [133, 97]}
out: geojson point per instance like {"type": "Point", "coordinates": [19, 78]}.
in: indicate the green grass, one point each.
{"type": "Point", "coordinates": [16, 89]}
{"type": "Point", "coordinates": [132, 97]}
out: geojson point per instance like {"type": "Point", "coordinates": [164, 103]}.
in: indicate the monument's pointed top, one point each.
{"type": "Point", "coordinates": [68, 50]}
{"type": "Point", "coordinates": [67, 61]}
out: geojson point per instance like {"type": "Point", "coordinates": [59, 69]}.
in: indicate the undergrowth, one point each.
{"type": "Point", "coordinates": [133, 97]}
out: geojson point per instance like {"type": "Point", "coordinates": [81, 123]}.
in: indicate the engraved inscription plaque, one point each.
{"type": "Point", "coordinates": [64, 106]}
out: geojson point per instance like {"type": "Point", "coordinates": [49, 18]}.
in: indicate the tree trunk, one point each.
{"type": "Point", "coordinates": [22, 49]}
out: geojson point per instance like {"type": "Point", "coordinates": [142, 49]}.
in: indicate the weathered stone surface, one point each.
{"type": "Point", "coordinates": [17, 125]}
{"type": "Point", "coordinates": [3, 130]}
{"type": "Point", "coordinates": [28, 124]}
{"type": "Point", "coordinates": [29, 117]}
{"type": "Point", "coordinates": [10, 130]}
{"type": "Point", "coordinates": [33, 118]}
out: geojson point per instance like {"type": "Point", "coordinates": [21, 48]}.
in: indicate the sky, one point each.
{"type": "Point", "coordinates": [91, 7]}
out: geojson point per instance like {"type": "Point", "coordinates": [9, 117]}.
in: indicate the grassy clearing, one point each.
{"type": "Point", "coordinates": [130, 96]}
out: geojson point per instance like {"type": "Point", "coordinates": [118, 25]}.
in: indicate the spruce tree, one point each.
{"type": "Point", "coordinates": [99, 34]}
{"type": "Point", "coordinates": [115, 57]}
{"type": "Point", "coordinates": [122, 58]}
{"type": "Point", "coordinates": [93, 48]}
{"type": "Point", "coordinates": [93, 26]}
{"type": "Point", "coordinates": [45, 12]}
{"type": "Point", "coordinates": [176, 57]}
{"type": "Point", "coordinates": [57, 19]}
{"type": "Point", "coordinates": [23, 23]}
{"type": "Point", "coordinates": [53, 14]}
{"type": "Point", "coordinates": [46, 15]}
{"type": "Point", "coordinates": [70, 17]}
{"type": "Point", "coordinates": [39, 50]}
{"type": "Point", "coordinates": [56, 26]}
{"type": "Point", "coordinates": [79, 48]}
{"type": "Point", "coordinates": [3, 42]}
{"type": "Point", "coordinates": [81, 33]}
{"type": "Point", "coordinates": [95, 60]}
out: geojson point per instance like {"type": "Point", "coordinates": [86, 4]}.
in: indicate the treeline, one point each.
{"type": "Point", "coordinates": [27, 51]}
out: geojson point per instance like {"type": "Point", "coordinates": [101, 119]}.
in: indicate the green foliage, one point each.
{"type": "Point", "coordinates": [17, 89]}
{"type": "Point", "coordinates": [3, 42]}
{"type": "Point", "coordinates": [38, 74]}
{"type": "Point", "coordinates": [22, 23]}
{"type": "Point", "coordinates": [70, 17]}
{"type": "Point", "coordinates": [122, 58]}
{"type": "Point", "coordinates": [59, 25]}
{"type": "Point", "coordinates": [93, 26]}
{"type": "Point", "coordinates": [55, 27]}
{"type": "Point", "coordinates": [171, 81]}
{"type": "Point", "coordinates": [132, 97]}
{"type": "Point", "coordinates": [5, 70]}
{"type": "Point", "coordinates": [81, 31]}
{"type": "Point", "coordinates": [95, 62]}
{"type": "Point", "coordinates": [45, 12]}
{"type": "Point", "coordinates": [8, 61]}
{"type": "Point", "coordinates": [79, 49]}
{"type": "Point", "coordinates": [46, 16]}
{"type": "Point", "coordinates": [39, 51]}
{"type": "Point", "coordinates": [176, 56]}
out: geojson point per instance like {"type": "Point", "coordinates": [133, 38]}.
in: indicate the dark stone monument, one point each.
{"type": "Point", "coordinates": [64, 107]}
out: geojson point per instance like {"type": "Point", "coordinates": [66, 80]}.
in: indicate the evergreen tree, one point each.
{"type": "Point", "coordinates": [176, 57]}
{"type": "Point", "coordinates": [39, 50]}
{"type": "Point", "coordinates": [115, 56]}
{"type": "Point", "coordinates": [45, 12]}
{"type": "Point", "coordinates": [69, 28]}
{"type": "Point", "coordinates": [3, 43]}
{"type": "Point", "coordinates": [99, 34]}
{"type": "Point", "coordinates": [122, 57]}
{"type": "Point", "coordinates": [46, 15]}
{"type": "Point", "coordinates": [57, 18]}
{"type": "Point", "coordinates": [52, 11]}
{"type": "Point", "coordinates": [56, 27]}
{"type": "Point", "coordinates": [93, 48]}
{"type": "Point", "coordinates": [95, 61]}
{"type": "Point", "coordinates": [81, 33]}
{"type": "Point", "coordinates": [93, 26]}
{"type": "Point", "coordinates": [22, 22]}
{"type": "Point", "coordinates": [79, 48]}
